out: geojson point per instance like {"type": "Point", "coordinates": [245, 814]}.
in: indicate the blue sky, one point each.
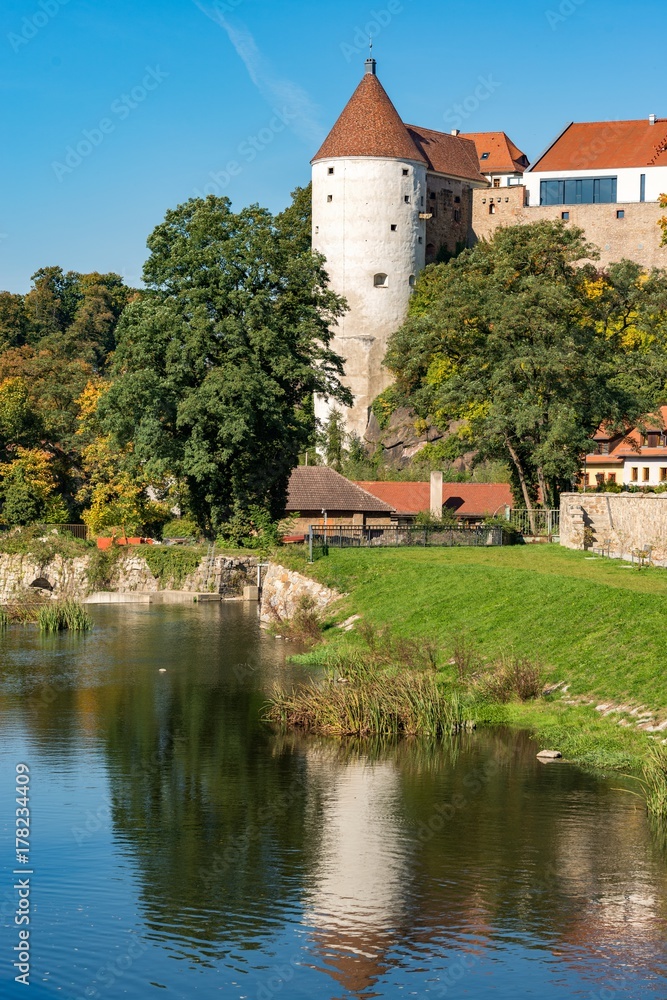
{"type": "Point", "coordinates": [161, 97]}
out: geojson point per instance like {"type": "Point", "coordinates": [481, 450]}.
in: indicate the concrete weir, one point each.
{"type": "Point", "coordinates": [156, 597]}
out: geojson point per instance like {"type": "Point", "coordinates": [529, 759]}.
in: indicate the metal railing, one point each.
{"type": "Point", "coordinates": [344, 536]}
{"type": "Point", "coordinates": [546, 522]}
{"type": "Point", "coordinates": [77, 530]}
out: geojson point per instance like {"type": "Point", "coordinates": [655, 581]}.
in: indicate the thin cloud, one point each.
{"type": "Point", "coordinates": [278, 92]}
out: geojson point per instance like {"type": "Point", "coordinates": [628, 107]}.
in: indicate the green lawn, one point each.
{"type": "Point", "coordinates": [594, 623]}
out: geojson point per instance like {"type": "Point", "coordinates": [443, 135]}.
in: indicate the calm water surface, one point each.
{"type": "Point", "coordinates": [181, 848]}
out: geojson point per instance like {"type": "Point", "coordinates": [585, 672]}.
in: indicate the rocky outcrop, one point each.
{"type": "Point", "coordinates": [283, 590]}
{"type": "Point", "coordinates": [405, 436]}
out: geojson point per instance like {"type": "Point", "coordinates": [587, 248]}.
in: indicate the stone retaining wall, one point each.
{"type": "Point", "coordinates": [283, 589]}
{"type": "Point", "coordinates": [620, 522]}
{"type": "Point", "coordinates": [69, 577]}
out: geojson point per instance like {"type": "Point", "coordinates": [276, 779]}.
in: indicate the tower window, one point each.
{"type": "Point", "coordinates": [329, 197]}
{"type": "Point", "coordinates": [394, 228]}
{"type": "Point", "coordinates": [457, 215]}
{"type": "Point", "coordinates": [412, 281]}
{"type": "Point", "coordinates": [421, 239]}
{"type": "Point", "coordinates": [565, 216]}
{"type": "Point", "coordinates": [407, 199]}
{"type": "Point", "coordinates": [620, 213]}
{"type": "Point", "coordinates": [492, 209]}
{"type": "Point", "coordinates": [331, 170]}
{"type": "Point", "coordinates": [381, 280]}
{"type": "Point", "coordinates": [406, 173]}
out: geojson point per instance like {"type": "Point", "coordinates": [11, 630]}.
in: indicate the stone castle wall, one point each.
{"type": "Point", "coordinates": [636, 237]}
{"type": "Point", "coordinates": [620, 522]}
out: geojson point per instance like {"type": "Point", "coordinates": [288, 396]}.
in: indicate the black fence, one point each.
{"type": "Point", "coordinates": [350, 537]}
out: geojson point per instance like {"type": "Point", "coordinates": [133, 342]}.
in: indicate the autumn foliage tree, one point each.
{"type": "Point", "coordinates": [525, 347]}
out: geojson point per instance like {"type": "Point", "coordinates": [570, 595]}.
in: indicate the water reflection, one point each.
{"type": "Point", "coordinates": [357, 869]}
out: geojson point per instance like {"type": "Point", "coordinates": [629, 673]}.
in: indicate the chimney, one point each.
{"type": "Point", "coordinates": [455, 131]}
{"type": "Point", "coordinates": [436, 494]}
{"type": "Point", "coordinates": [371, 66]}
{"type": "Point", "coordinates": [651, 119]}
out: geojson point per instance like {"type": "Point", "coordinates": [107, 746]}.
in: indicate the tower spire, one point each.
{"type": "Point", "coordinates": [371, 64]}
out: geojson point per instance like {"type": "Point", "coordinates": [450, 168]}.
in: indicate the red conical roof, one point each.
{"type": "Point", "coordinates": [370, 125]}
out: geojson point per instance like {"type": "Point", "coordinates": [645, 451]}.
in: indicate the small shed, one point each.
{"type": "Point", "coordinates": [320, 495]}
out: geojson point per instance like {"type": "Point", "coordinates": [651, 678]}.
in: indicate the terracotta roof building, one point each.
{"type": "Point", "coordinates": [470, 501]}
{"type": "Point", "coordinates": [638, 457]}
{"type": "Point", "coordinates": [318, 494]}
{"type": "Point", "coordinates": [500, 160]}
{"type": "Point", "coordinates": [590, 163]}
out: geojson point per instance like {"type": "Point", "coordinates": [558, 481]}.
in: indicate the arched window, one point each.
{"type": "Point", "coordinates": [412, 281]}
{"type": "Point", "coordinates": [430, 251]}
{"type": "Point", "coordinates": [380, 280]}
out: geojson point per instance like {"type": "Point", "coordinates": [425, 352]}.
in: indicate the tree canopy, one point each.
{"type": "Point", "coordinates": [525, 348]}
{"type": "Point", "coordinates": [216, 365]}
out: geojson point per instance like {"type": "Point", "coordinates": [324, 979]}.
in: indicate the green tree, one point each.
{"type": "Point", "coordinates": [216, 366]}
{"type": "Point", "coordinates": [529, 348]}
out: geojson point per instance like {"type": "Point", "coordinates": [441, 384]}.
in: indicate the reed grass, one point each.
{"type": "Point", "coordinates": [655, 780]}
{"type": "Point", "coordinates": [64, 615]}
{"type": "Point", "coordinates": [367, 701]}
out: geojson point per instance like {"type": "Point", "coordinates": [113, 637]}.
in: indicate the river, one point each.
{"type": "Point", "coordinates": [180, 847]}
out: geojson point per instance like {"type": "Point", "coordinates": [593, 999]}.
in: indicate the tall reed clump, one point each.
{"type": "Point", "coordinates": [655, 781]}
{"type": "Point", "coordinates": [64, 615]}
{"type": "Point", "coordinates": [4, 619]}
{"type": "Point", "coordinates": [371, 702]}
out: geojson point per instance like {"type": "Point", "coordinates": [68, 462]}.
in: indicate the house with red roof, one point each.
{"type": "Point", "coordinates": [602, 163]}
{"type": "Point", "coordinates": [471, 502]}
{"type": "Point", "coordinates": [500, 160]}
{"type": "Point", "coordinates": [637, 457]}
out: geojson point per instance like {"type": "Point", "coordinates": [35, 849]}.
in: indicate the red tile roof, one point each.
{"type": "Point", "coordinates": [467, 499]}
{"type": "Point", "coordinates": [503, 156]}
{"type": "Point", "coordinates": [370, 125]}
{"type": "Point", "coordinates": [452, 155]}
{"type": "Point", "coordinates": [607, 146]}
{"type": "Point", "coordinates": [316, 488]}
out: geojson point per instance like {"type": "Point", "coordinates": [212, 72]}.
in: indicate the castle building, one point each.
{"type": "Point", "coordinates": [388, 198]}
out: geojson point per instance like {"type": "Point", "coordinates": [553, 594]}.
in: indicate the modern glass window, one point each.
{"type": "Point", "coordinates": [579, 191]}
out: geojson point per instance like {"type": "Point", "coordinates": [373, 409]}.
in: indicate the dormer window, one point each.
{"type": "Point", "coordinates": [485, 156]}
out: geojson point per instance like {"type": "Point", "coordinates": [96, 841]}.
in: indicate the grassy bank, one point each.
{"type": "Point", "coordinates": [591, 624]}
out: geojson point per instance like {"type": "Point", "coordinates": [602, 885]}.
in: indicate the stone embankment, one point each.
{"type": "Point", "coordinates": [227, 576]}
{"type": "Point", "coordinates": [283, 590]}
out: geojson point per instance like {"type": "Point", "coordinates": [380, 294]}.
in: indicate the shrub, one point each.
{"type": "Point", "coordinates": [513, 676]}
{"type": "Point", "coordinates": [171, 564]}
{"type": "Point", "coordinates": [181, 527]}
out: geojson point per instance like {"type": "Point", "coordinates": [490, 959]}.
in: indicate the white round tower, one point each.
{"type": "Point", "coordinates": [369, 191]}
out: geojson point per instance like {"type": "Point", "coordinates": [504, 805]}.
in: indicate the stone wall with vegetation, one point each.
{"type": "Point", "coordinates": [123, 570]}
{"type": "Point", "coordinates": [284, 590]}
{"type": "Point", "coordinates": [621, 522]}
